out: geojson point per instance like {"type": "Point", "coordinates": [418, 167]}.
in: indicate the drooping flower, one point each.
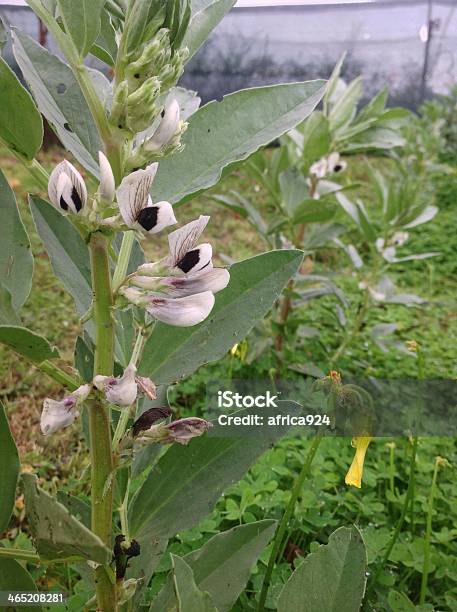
{"type": "Point", "coordinates": [121, 391]}
{"type": "Point", "coordinates": [136, 206]}
{"type": "Point", "coordinates": [107, 189]}
{"type": "Point", "coordinates": [67, 189]}
{"type": "Point", "coordinates": [185, 254]}
{"type": "Point", "coordinates": [354, 475]}
{"type": "Point", "coordinates": [148, 429]}
{"type": "Point", "coordinates": [59, 414]}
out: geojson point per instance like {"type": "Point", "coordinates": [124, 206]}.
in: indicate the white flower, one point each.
{"type": "Point", "coordinates": [213, 279]}
{"type": "Point", "coordinates": [59, 414]}
{"type": "Point", "coordinates": [107, 189]}
{"type": "Point", "coordinates": [399, 238]}
{"type": "Point", "coordinates": [119, 391]}
{"type": "Point", "coordinates": [328, 165]}
{"type": "Point", "coordinates": [166, 130]}
{"type": "Point", "coordinates": [136, 206]}
{"type": "Point", "coordinates": [66, 188]}
{"type": "Point", "coordinates": [185, 255]}
{"type": "Point", "coordinates": [183, 311]}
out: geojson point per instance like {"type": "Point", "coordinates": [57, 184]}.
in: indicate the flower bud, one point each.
{"type": "Point", "coordinates": [107, 187]}
{"type": "Point", "coordinates": [60, 414]}
{"type": "Point", "coordinates": [121, 391]}
{"type": "Point", "coordinates": [118, 114]}
{"type": "Point", "coordinates": [355, 472]}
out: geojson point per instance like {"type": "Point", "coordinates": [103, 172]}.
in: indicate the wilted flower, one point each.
{"type": "Point", "coordinates": [136, 206]}
{"type": "Point", "coordinates": [119, 391]}
{"type": "Point", "coordinates": [147, 429]}
{"type": "Point", "coordinates": [59, 414]}
{"type": "Point", "coordinates": [354, 475]}
{"type": "Point", "coordinates": [66, 188]}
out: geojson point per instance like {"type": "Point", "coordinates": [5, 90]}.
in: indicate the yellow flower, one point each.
{"type": "Point", "coordinates": [354, 475]}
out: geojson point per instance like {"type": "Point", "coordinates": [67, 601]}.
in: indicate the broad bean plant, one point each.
{"type": "Point", "coordinates": [305, 179]}
{"type": "Point", "coordinates": [138, 147]}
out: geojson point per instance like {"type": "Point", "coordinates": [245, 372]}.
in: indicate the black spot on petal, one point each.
{"type": "Point", "coordinates": [63, 204]}
{"type": "Point", "coordinates": [137, 75]}
{"type": "Point", "coordinates": [76, 199]}
{"type": "Point", "coordinates": [189, 261]}
{"type": "Point", "coordinates": [337, 168]}
{"type": "Point", "coordinates": [147, 217]}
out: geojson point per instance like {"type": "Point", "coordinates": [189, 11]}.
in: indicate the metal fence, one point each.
{"type": "Point", "coordinates": [409, 45]}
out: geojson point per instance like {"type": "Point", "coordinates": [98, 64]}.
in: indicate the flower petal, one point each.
{"type": "Point", "coordinates": [57, 415]}
{"type": "Point", "coordinates": [214, 280]}
{"type": "Point", "coordinates": [155, 217]}
{"type": "Point", "coordinates": [196, 259]}
{"type": "Point", "coordinates": [107, 188]}
{"type": "Point", "coordinates": [133, 194]}
{"type": "Point", "coordinates": [166, 130]}
{"type": "Point", "coordinates": [119, 391]}
{"type": "Point", "coordinates": [181, 312]}
{"type": "Point", "coordinates": [185, 239]}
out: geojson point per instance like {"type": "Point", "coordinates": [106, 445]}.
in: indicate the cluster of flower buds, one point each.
{"type": "Point", "coordinates": [151, 427]}
{"type": "Point", "coordinates": [179, 290]}
{"type": "Point", "coordinates": [152, 60]}
{"type": "Point", "coordinates": [332, 164]}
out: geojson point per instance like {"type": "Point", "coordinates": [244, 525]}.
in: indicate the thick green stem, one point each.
{"type": "Point", "coordinates": [281, 530]}
{"type": "Point", "coordinates": [428, 535]}
{"type": "Point", "coordinates": [99, 421]}
{"type": "Point", "coordinates": [401, 520]}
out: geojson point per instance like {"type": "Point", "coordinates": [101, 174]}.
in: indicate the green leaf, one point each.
{"type": "Point", "coordinates": [82, 22]}
{"type": "Point", "coordinates": [3, 35]}
{"type": "Point", "coordinates": [330, 580]}
{"type": "Point", "coordinates": [21, 126]}
{"type": "Point", "coordinates": [193, 477]}
{"type": "Point", "coordinates": [60, 99]}
{"type": "Point", "coordinates": [188, 595]}
{"type": "Point", "coordinates": [314, 211]}
{"type": "Point", "coordinates": [67, 252]}
{"type": "Point", "coordinates": [13, 577]}
{"type": "Point", "coordinates": [76, 507]}
{"type": "Point", "coordinates": [105, 47]}
{"type": "Point", "coordinates": [333, 80]}
{"type": "Point", "coordinates": [225, 132]}
{"type": "Point", "coordinates": [8, 315]}
{"type": "Point", "coordinates": [172, 353]}
{"type": "Point", "coordinates": [345, 107]}
{"type": "Point", "coordinates": [316, 138]}
{"type": "Point", "coordinates": [294, 189]}
{"type": "Point", "coordinates": [56, 533]}
{"type": "Point", "coordinates": [27, 343]}
{"type": "Point", "coordinates": [9, 460]}
{"type": "Point", "coordinates": [399, 602]}
{"type": "Point", "coordinates": [206, 14]}
{"type": "Point", "coordinates": [16, 260]}
{"type": "Point", "coordinates": [222, 566]}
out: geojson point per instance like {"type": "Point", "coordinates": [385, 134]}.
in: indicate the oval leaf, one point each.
{"type": "Point", "coordinates": [56, 533]}
{"type": "Point", "coordinates": [82, 22]}
{"type": "Point", "coordinates": [255, 284]}
{"type": "Point", "coordinates": [221, 133]}
{"type": "Point", "coordinates": [60, 99]}
{"type": "Point", "coordinates": [206, 14]}
{"type": "Point", "coordinates": [188, 595]}
{"type": "Point", "coordinates": [27, 343]}
{"type": "Point", "coordinates": [21, 126]}
{"type": "Point", "coordinates": [16, 260]}
{"type": "Point", "coordinates": [222, 566]}
{"type": "Point", "coordinates": [13, 577]}
{"type": "Point", "coordinates": [9, 460]}
{"type": "Point", "coordinates": [330, 580]}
